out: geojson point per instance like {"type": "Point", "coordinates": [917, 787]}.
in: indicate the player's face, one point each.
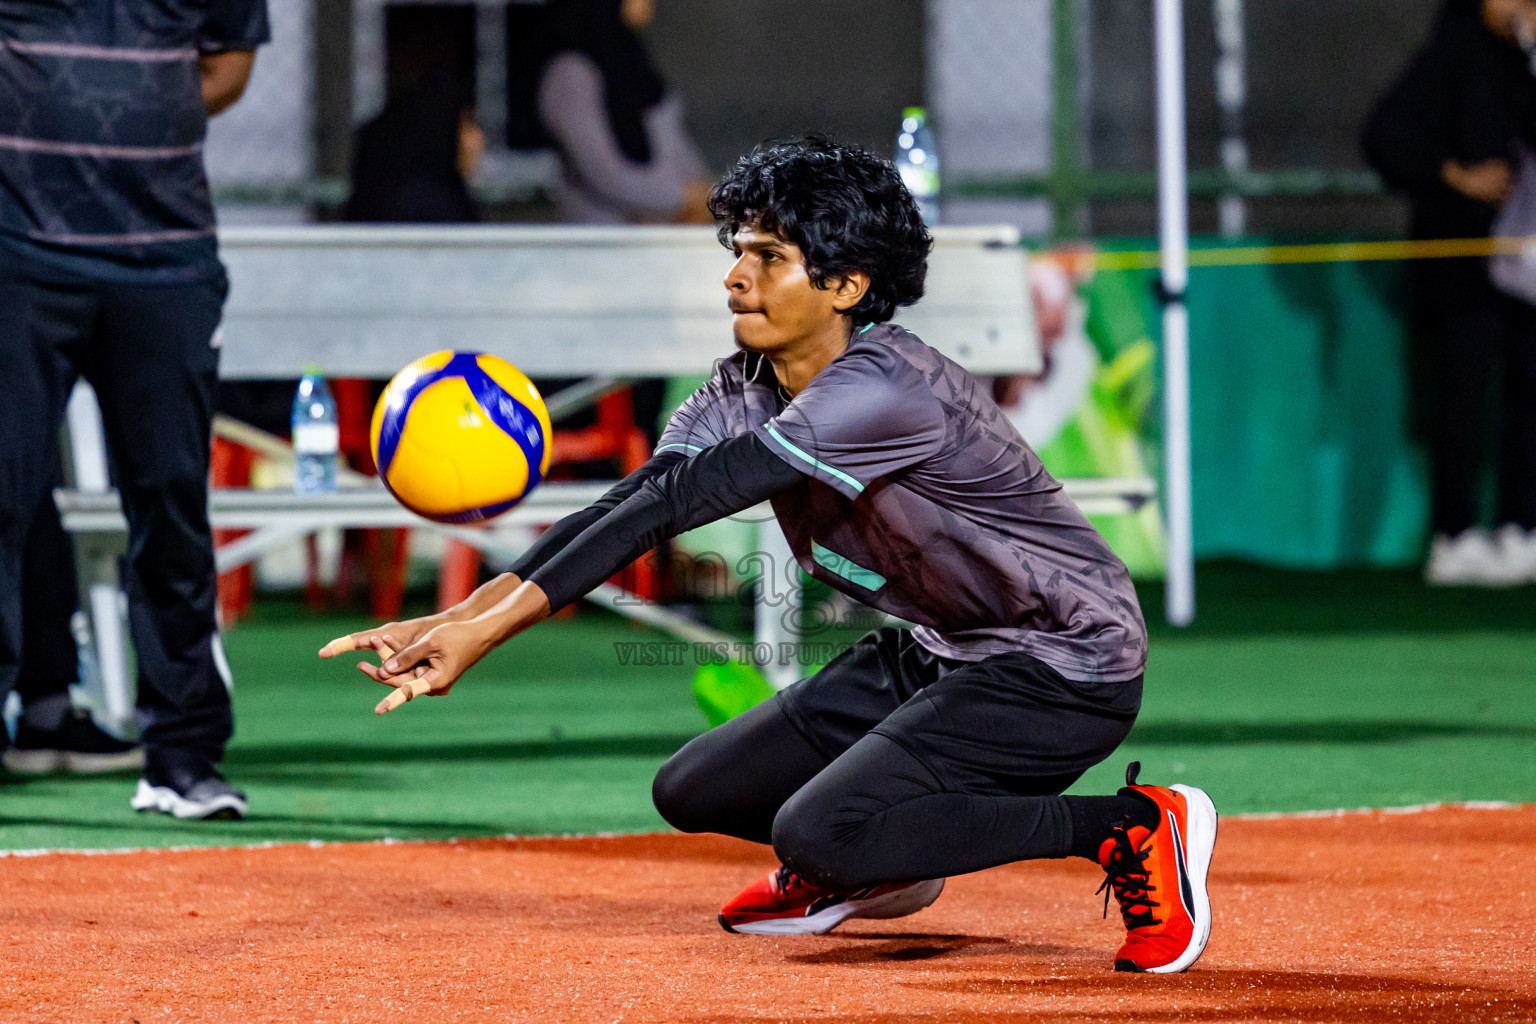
{"type": "Point", "coordinates": [773, 300]}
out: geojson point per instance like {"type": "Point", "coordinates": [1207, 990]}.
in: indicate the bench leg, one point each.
{"type": "Point", "coordinates": [459, 576]}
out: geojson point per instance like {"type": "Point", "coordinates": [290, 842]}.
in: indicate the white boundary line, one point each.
{"type": "Point", "coordinates": [316, 844]}
{"type": "Point", "coordinates": [1462, 805]}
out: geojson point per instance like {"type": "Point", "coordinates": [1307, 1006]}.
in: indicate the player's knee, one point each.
{"type": "Point", "coordinates": [820, 844]}
{"type": "Point", "coordinates": [680, 793]}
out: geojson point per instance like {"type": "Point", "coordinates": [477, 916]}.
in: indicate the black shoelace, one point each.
{"type": "Point", "coordinates": [1127, 878]}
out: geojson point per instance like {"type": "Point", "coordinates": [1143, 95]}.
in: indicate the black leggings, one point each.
{"type": "Point", "coordinates": [894, 765]}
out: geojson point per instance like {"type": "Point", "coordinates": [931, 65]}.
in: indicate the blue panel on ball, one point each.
{"type": "Point", "coordinates": [515, 419]}
{"type": "Point", "coordinates": [393, 423]}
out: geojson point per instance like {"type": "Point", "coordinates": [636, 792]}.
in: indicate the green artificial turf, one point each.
{"type": "Point", "coordinates": [549, 735]}
{"type": "Point", "coordinates": [1293, 691]}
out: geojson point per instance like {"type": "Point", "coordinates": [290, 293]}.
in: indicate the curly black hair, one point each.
{"type": "Point", "coordinates": [845, 209]}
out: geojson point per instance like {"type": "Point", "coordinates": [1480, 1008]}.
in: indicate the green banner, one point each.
{"type": "Point", "coordinates": [1302, 453]}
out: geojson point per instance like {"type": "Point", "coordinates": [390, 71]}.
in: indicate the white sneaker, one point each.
{"type": "Point", "coordinates": [1471, 559]}
{"type": "Point", "coordinates": [1518, 548]}
{"type": "Point", "coordinates": [211, 799]}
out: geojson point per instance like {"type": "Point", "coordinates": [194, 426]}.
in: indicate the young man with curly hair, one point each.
{"type": "Point", "coordinates": [918, 753]}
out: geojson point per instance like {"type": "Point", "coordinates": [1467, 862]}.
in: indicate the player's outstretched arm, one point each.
{"type": "Point", "coordinates": [552, 540]}
{"type": "Point", "coordinates": [722, 480]}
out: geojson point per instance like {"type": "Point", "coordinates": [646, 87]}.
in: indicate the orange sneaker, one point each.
{"type": "Point", "coordinates": [782, 903]}
{"type": "Point", "coordinates": [1158, 877]}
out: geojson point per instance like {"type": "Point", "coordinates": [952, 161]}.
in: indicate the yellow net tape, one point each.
{"type": "Point", "coordinates": [1328, 252]}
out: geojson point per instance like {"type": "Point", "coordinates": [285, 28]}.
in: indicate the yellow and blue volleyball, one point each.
{"type": "Point", "coordinates": [460, 437]}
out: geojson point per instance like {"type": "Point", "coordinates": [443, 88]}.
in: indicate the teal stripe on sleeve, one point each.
{"type": "Point", "coordinates": [679, 444]}
{"type": "Point", "coordinates": [817, 463]}
{"type": "Point", "coordinates": [841, 565]}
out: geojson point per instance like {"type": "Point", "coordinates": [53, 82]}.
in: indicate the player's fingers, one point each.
{"type": "Point", "coordinates": [403, 693]}
{"type": "Point", "coordinates": [415, 654]}
{"type": "Point", "coordinates": [340, 645]}
{"type": "Point", "coordinates": [378, 675]}
{"type": "Point", "coordinates": [418, 671]}
{"type": "Point", "coordinates": [366, 640]}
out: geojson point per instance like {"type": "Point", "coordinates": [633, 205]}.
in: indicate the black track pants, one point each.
{"type": "Point", "coordinates": [49, 598]}
{"type": "Point", "coordinates": [148, 351]}
{"type": "Point", "coordinates": [894, 765]}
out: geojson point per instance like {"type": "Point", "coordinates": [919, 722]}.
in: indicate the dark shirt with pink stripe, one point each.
{"type": "Point", "coordinates": [101, 133]}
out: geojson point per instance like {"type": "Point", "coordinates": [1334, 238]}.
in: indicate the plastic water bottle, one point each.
{"type": "Point", "coordinates": [316, 436]}
{"type": "Point", "coordinates": [917, 158]}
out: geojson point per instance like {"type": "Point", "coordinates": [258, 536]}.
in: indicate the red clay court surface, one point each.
{"type": "Point", "coordinates": [1423, 917]}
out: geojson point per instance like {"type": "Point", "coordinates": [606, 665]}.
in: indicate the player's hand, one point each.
{"type": "Point", "coordinates": [1487, 182]}
{"type": "Point", "coordinates": [393, 635]}
{"type": "Point", "coordinates": [431, 665]}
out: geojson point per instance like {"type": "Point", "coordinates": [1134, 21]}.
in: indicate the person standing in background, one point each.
{"type": "Point", "coordinates": [109, 270]}
{"type": "Point", "coordinates": [1448, 134]}
{"type": "Point", "coordinates": [625, 153]}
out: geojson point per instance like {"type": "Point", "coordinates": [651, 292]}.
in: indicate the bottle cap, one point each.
{"type": "Point", "coordinates": [918, 112]}
{"type": "Point", "coordinates": [312, 370]}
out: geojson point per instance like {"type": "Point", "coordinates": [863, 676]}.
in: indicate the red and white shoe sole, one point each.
{"type": "Point", "coordinates": [1199, 842]}
{"type": "Point", "coordinates": [898, 903]}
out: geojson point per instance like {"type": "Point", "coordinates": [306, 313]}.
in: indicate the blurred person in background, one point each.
{"type": "Point", "coordinates": [109, 269]}
{"type": "Point", "coordinates": [413, 163]}
{"type": "Point", "coordinates": [625, 153]}
{"type": "Point", "coordinates": [1448, 134]}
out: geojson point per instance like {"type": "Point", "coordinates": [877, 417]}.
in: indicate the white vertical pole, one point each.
{"type": "Point", "coordinates": [88, 454]}
{"type": "Point", "coordinates": [775, 623]}
{"type": "Point", "coordinates": [1173, 220]}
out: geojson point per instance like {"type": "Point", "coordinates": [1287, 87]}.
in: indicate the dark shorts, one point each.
{"type": "Point", "coordinates": [892, 764]}
{"type": "Point", "coordinates": [1003, 724]}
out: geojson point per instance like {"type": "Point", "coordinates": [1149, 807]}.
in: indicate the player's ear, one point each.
{"type": "Point", "coordinates": [851, 289]}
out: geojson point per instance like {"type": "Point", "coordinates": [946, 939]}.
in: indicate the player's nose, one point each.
{"type": "Point", "coordinates": [736, 279]}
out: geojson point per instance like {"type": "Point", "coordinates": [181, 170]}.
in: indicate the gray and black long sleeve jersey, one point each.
{"type": "Point", "coordinates": [669, 495]}
{"type": "Point", "coordinates": [897, 481]}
